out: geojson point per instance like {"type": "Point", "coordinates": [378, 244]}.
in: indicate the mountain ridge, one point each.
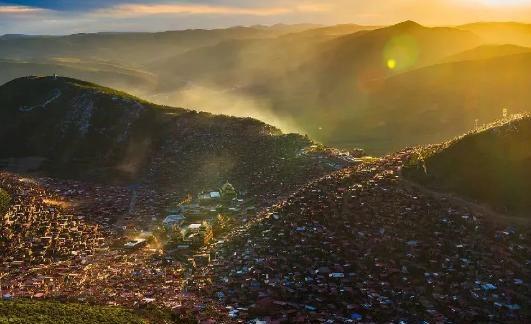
{"type": "Point", "coordinates": [314, 80]}
{"type": "Point", "coordinates": [501, 180]}
{"type": "Point", "coordinates": [83, 131]}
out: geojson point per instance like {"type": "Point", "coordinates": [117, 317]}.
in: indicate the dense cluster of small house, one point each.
{"type": "Point", "coordinates": [262, 166]}
{"type": "Point", "coordinates": [48, 253]}
{"type": "Point", "coordinates": [35, 231]}
{"type": "Point", "coordinates": [362, 245]}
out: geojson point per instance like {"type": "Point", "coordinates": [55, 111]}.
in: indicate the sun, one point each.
{"type": "Point", "coordinates": [391, 64]}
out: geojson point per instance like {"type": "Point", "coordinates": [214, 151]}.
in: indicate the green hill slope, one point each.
{"type": "Point", "coordinates": [73, 124]}
{"type": "Point", "coordinates": [492, 166]}
{"type": "Point", "coordinates": [26, 311]}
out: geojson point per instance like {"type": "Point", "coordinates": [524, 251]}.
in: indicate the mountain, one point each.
{"type": "Point", "coordinates": [111, 75]}
{"type": "Point", "coordinates": [491, 165]}
{"type": "Point", "coordinates": [437, 102]}
{"type": "Point", "coordinates": [333, 84]}
{"type": "Point", "coordinates": [501, 32]}
{"type": "Point", "coordinates": [73, 122]}
{"type": "Point", "coordinates": [365, 245]}
{"type": "Point", "coordinates": [288, 28]}
{"type": "Point", "coordinates": [70, 128]}
{"type": "Point", "coordinates": [333, 31]}
{"type": "Point", "coordinates": [13, 36]}
{"type": "Point", "coordinates": [364, 89]}
{"type": "Point", "coordinates": [408, 43]}
{"type": "Point", "coordinates": [132, 48]}
{"type": "Point", "coordinates": [342, 85]}
{"type": "Point", "coordinates": [318, 57]}
{"type": "Point", "coordinates": [486, 52]}
{"type": "Point", "coordinates": [315, 81]}
{"type": "Point", "coordinates": [242, 61]}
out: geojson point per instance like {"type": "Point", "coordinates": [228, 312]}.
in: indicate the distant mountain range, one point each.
{"type": "Point", "coordinates": [501, 32]}
{"type": "Point", "coordinates": [345, 85]}
{"type": "Point", "coordinates": [487, 52]}
{"type": "Point", "coordinates": [112, 75]}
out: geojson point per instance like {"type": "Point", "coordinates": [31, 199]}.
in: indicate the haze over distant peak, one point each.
{"type": "Point", "coordinates": [407, 24]}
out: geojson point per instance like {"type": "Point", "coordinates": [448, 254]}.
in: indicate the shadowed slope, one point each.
{"type": "Point", "coordinates": [492, 166]}
{"type": "Point", "coordinates": [82, 130]}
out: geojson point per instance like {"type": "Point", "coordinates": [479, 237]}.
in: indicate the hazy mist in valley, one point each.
{"type": "Point", "coordinates": [345, 85]}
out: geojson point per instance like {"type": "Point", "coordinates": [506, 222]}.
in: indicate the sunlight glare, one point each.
{"type": "Point", "coordinates": [401, 52]}
{"type": "Point", "coordinates": [504, 2]}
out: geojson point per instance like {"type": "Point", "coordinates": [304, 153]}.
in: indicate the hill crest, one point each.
{"type": "Point", "coordinates": [79, 130]}
{"type": "Point", "coordinates": [491, 165]}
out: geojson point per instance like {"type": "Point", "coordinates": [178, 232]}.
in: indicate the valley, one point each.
{"type": "Point", "coordinates": [295, 260]}
{"type": "Point", "coordinates": [283, 173]}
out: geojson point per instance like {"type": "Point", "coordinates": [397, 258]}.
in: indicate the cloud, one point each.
{"type": "Point", "coordinates": [139, 9]}
{"type": "Point", "coordinates": [314, 7]}
{"type": "Point", "coordinates": [73, 16]}
{"type": "Point", "coordinates": [136, 9]}
{"type": "Point", "coordinates": [229, 102]}
{"type": "Point", "coordinates": [13, 10]}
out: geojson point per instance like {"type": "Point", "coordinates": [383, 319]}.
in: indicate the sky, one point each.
{"type": "Point", "coordinates": [76, 16]}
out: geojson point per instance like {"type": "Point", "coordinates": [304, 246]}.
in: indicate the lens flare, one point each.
{"type": "Point", "coordinates": [401, 52]}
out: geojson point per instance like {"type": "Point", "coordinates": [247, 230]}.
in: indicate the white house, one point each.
{"type": "Point", "coordinates": [173, 220]}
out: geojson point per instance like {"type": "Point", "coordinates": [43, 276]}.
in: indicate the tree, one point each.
{"type": "Point", "coordinates": [208, 233]}
{"type": "Point", "coordinates": [221, 224]}
{"type": "Point", "coordinates": [5, 200]}
{"type": "Point", "coordinates": [228, 193]}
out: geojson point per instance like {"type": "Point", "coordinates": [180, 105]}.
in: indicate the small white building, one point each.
{"type": "Point", "coordinates": [133, 244]}
{"type": "Point", "coordinates": [173, 220]}
{"type": "Point", "coordinates": [209, 196]}
{"type": "Point", "coordinates": [194, 227]}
